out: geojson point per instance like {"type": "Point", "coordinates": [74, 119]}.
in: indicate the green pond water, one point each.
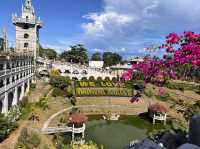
{"type": "Point", "coordinates": [117, 134]}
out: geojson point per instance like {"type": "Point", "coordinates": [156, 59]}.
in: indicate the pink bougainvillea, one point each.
{"type": "Point", "coordinates": [181, 50]}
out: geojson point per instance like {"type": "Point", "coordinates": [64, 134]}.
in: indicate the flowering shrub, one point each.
{"type": "Point", "coordinates": [181, 60]}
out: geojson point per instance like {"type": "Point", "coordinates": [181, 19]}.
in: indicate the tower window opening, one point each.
{"type": "Point", "coordinates": [26, 36]}
{"type": "Point", "coordinates": [26, 45]}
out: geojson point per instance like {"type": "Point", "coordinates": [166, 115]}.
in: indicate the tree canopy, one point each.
{"type": "Point", "coordinates": [96, 57]}
{"type": "Point", "coordinates": [110, 59]}
{"type": "Point", "coordinates": [47, 52]}
{"type": "Point", "coordinates": [77, 54]}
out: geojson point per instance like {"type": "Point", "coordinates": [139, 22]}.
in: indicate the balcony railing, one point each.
{"type": "Point", "coordinates": [26, 20]}
{"type": "Point", "coordinates": [13, 84]}
{"type": "Point", "coordinates": [14, 70]}
{"type": "Point", "coordinates": [16, 54]}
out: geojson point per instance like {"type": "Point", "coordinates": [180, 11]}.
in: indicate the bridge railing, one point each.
{"type": "Point", "coordinates": [51, 130]}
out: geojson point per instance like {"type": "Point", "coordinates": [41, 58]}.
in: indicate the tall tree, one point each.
{"type": "Point", "coordinates": [47, 52]}
{"type": "Point", "coordinates": [110, 59]}
{"type": "Point", "coordinates": [77, 54]}
{"type": "Point", "coordinates": [96, 57]}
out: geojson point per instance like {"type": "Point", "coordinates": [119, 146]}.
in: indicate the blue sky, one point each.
{"type": "Point", "coordinates": [123, 26]}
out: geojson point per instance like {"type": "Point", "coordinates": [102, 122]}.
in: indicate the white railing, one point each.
{"type": "Point", "coordinates": [14, 70]}
{"type": "Point", "coordinates": [160, 117]}
{"type": "Point", "coordinates": [25, 20]}
{"type": "Point", "coordinates": [51, 130]}
{"type": "Point", "coordinates": [13, 84]}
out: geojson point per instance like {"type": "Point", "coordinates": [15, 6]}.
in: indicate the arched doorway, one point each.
{"type": "Point", "coordinates": [19, 91]}
{"type": "Point", "coordinates": [25, 87]}
{"type": "Point", "coordinates": [10, 100]}
{"type": "Point", "coordinates": [1, 106]}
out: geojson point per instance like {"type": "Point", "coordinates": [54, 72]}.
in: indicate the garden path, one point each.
{"type": "Point", "coordinates": [34, 96]}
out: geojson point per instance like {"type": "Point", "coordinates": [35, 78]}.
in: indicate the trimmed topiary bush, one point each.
{"type": "Point", "coordinates": [84, 79]}
{"type": "Point", "coordinates": [114, 79]}
{"type": "Point", "coordinates": [57, 92]}
{"type": "Point", "coordinates": [99, 79]}
{"type": "Point", "coordinates": [59, 82]}
{"type": "Point", "coordinates": [107, 79]}
{"type": "Point", "coordinates": [69, 91]}
{"type": "Point", "coordinates": [33, 85]}
{"type": "Point", "coordinates": [91, 78]}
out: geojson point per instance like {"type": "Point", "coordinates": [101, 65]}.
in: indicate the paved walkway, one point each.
{"type": "Point", "coordinates": [35, 95]}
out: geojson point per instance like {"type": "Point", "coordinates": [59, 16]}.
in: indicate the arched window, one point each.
{"type": "Point", "coordinates": [26, 36]}
{"type": "Point", "coordinates": [26, 45]}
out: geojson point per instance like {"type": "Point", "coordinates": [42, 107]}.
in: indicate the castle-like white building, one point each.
{"type": "Point", "coordinates": [17, 67]}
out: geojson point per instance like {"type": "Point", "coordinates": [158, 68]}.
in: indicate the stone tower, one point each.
{"type": "Point", "coordinates": [27, 29]}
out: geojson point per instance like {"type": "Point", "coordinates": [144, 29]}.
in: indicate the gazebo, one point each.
{"type": "Point", "coordinates": [158, 112]}
{"type": "Point", "coordinates": [78, 120]}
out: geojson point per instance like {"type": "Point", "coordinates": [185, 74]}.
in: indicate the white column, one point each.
{"type": "Point", "coordinates": [28, 85]}
{"type": "Point", "coordinates": [22, 91]}
{"type": "Point", "coordinates": [73, 133]}
{"type": "Point", "coordinates": [15, 97]}
{"type": "Point", "coordinates": [5, 103]}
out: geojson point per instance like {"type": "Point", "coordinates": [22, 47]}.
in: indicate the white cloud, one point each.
{"type": "Point", "coordinates": [126, 23]}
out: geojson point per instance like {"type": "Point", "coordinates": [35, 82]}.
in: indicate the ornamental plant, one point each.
{"type": "Point", "coordinates": [180, 61]}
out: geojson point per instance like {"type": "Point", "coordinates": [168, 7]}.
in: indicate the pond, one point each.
{"type": "Point", "coordinates": [118, 134]}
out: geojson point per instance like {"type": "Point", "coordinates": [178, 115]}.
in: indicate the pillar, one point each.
{"type": "Point", "coordinates": [5, 103]}
{"type": "Point", "coordinates": [73, 133]}
{"type": "Point", "coordinates": [83, 135]}
{"type": "Point", "coordinates": [22, 91]}
{"type": "Point", "coordinates": [15, 96]}
{"type": "Point", "coordinates": [28, 85]}
{"type": "Point", "coordinates": [194, 130]}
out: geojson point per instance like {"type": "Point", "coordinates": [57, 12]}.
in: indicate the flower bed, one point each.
{"type": "Point", "coordinates": [121, 92]}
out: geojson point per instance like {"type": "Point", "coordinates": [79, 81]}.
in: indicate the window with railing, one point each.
{"type": "Point", "coordinates": [13, 65]}
{"type": "Point", "coordinates": [8, 66]}
{"type": "Point", "coordinates": [13, 79]}
{"type": "Point", "coordinates": [17, 77]}
{"type": "Point", "coordinates": [1, 66]}
{"type": "Point", "coordinates": [1, 84]}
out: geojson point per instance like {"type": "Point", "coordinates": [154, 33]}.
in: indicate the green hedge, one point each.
{"type": "Point", "coordinates": [98, 84]}
{"type": "Point", "coordinates": [121, 92]}
{"type": "Point", "coordinates": [181, 86]}
{"type": "Point", "coordinates": [57, 92]}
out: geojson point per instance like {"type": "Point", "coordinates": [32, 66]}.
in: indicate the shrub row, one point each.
{"type": "Point", "coordinates": [109, 84]}
{"type": "Point", "coordinates": [59, 81]}
{"type": "Point", "coordinates": [181, 86]}
{"type": "Point", "coordinates": [121, 92]}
